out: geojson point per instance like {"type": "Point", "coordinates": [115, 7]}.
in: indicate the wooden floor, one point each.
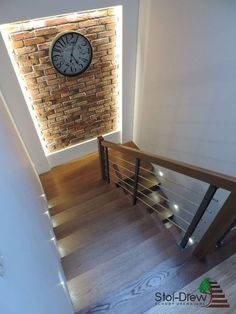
{"type": "Point", "coordinates": [115, 256]}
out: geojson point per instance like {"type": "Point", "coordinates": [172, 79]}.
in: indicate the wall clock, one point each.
{"type": "Point", "coordinates": [70, 53]}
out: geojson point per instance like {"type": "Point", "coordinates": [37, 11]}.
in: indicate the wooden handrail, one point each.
{"type": "Point", "coordinates": [214, 178]}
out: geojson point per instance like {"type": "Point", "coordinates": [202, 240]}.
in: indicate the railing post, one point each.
{"type": "Point", "coordinates": [220, 224]}
{"type": "Point", "coordinates": [101, 157]}
{"type": "Point", "coordinates": [200, 212]}
{"type": "Point", "coordinates": [136, 178]}
{"type": "Point", "coordinates": [219, 243]}
{"type": "Point", "coordinates": [107, 173]}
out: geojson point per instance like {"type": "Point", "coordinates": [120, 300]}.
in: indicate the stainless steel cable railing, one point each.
{"type": "Point", "coordinates": [148, 189]}
{"type": "Point", "coordinates": [162, 178]}
{"type": "Point", "coordinates": [137, 165]}
{"type": "Point", "coordinates": [141, 193]}
{"type": "Point", "coordinates": [153, 208]}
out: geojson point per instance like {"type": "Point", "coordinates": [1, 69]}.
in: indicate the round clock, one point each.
{"type": "Point", "coordinates": [70, 53]}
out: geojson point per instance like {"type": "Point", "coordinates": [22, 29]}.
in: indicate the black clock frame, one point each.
{"type": "Point", "coordinates": [54, 43]}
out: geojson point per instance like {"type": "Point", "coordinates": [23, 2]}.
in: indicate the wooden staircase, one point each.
{"type": "Point", "coordinates": [106, 244]}
{"type": "Point", "coordinates": [117, 256]}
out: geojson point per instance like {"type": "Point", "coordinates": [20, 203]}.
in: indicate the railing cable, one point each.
{"type": "Point", "coordinates": [120, 180]}
{"type": "Point", "coordinates": [163, 178]}
{"type": "Point", "coordinates": [161, 196]}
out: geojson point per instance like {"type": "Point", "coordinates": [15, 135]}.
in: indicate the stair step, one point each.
{"type": "Point", "coordinates": [137, 296]}
{"type": "Point", "coordinates": [86, 207]}
{"type": "Point", "coordinates": [176, 233]}
{"type": "Point", "coordinates": [93, 285]}
{"type": "Point", "coordinates": [108, 246]}
{"type": "Point", "coordinates": [67, 178]}
{"type": "Point", "coordinates": [147, 181]}
{"type": "Point", "coordinates": [154, 199]}
{"type": "Point", "coordinates": [69, 200]}
{"type": "Point", "coordinates": [96, 230]}
{"type": "Point", "coordinates": [100, 215]}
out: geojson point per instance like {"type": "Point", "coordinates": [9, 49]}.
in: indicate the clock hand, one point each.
{"type": "Point", "coordinates": [72, 56]}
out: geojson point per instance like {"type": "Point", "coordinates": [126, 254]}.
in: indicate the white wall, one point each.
{"type": "Point", "coordinates": [185, 105]}
{"type": "Point", "coordinates": [32, 270]}
{"type": "Point", "coordinates": [11, 11]}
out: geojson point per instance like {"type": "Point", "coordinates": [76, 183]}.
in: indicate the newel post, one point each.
{"type": "Point", "coordinates": [220, 224]}
{"type": "Point", "coordinates": [101, 152]}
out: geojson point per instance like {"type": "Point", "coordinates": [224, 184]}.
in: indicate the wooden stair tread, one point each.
{"type": "Point", "coordinates": [108, 246]}
{"type": "Point", "coordinates": [121, 270]}
{"type": "Point", "coordinates": [137, 296]}
{"type": "Point", "coordinates": [154, 199]}
{"type": "Point", "coordinates": [101, 215]}
{"type": "Point", "coordinates": [87, 206]}
{"type": "Point", "coordinates": [95, 231]}
{"type": "Point", "coordinates": [66, 178]}
{"type": "Point", "coordinates": [70, 200]}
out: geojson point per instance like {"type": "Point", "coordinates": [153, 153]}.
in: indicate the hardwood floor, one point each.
{"type": "Point", "coordinates": [115, 256]}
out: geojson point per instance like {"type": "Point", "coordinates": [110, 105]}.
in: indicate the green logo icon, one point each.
{"type": "Point", "coordinates": [205, 286]}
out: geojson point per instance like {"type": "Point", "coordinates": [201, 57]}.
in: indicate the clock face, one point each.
{"type": "Point", "coordinates": [71, 53]}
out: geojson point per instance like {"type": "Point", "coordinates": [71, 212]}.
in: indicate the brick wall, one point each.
{"type": "Point", "coordinates": [69, 110]}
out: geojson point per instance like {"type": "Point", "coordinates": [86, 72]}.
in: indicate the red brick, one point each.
{"type": "Point", "coordinates": [100, 41]}
{"type": "Point", "coordinates": [56, 21]}
{"type": "Point", "coordinates": [42, 66]}
{"type": "Point", "coordinates": [88, 23]}
{"type": "Point", "coordinates": [105, 47]}
{"type": "Point", "coordinates": [33, 41]}
{"type": "Point", "coordinates": [107, 20]}
{"type": "Point", "coordinates": [107, 34]}
{"type": "Point", "coordinates": [25, 50]}
{"type": "Point", "coordinates": [96, 29]}
{"type": "Point", "coordinates": [21, 35]}
{"type": "Point", "coordinates": [44, 46]}
{"type": "Point", "coordinates": [110, 26]}
{"type": "Point", "coordinates": [17, 44]}
{"type": "Point", "coordinates": [67, 27]}
{"type": "Point", "coordinates": [45, 31]}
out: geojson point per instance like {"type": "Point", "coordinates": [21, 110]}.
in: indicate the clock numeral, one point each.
{"type": "Point", "coordinates": [56, 58]}
{"type": "Point", "coordinates": [73, 69]}
{"type": "Point", "coordinates": [59, 65]}
{"type": "Point", "coordinates": [58, 49]}
{"type": "Point", "coordinates": [84, 60]}
{"type": "Point", "coordinates": [83, 42]}
{"type": "Point", "coordinates": [62, 42]}
{"type": "Point", "coordinates": [69, 37]}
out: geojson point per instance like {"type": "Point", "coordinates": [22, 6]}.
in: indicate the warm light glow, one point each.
{"type": "Point", "coordinates": [190, 240]}
{"type": "Point", "coordinates": [61, 281]}
{"type": "Point", "coordinates": [161, 174]}
{"type": "Point", "coordinates": [47, 213]}
{"type": "Point", "coordinates": [25, 93]}
{"type": "Point", "coordinates": [119, 49]}
{"type": "Point", "coordinates": [176, 207]}
{"type": "Point", "coordinates": [31, 24]}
